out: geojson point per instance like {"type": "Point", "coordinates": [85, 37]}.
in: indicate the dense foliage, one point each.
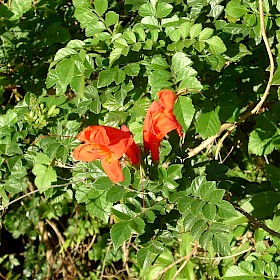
{"type": "Point", "coordinates": [209, 209]}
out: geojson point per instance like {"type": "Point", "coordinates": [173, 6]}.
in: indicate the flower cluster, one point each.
{"type": "Point", "coordinates": [110, 144]}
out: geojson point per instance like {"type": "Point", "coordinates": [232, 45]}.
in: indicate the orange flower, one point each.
{"type": "Point", "coordinates": [159, 121]}
{"type": "Point", "coordinates": [107, 144]}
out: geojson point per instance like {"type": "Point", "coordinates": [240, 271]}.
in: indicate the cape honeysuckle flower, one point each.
{"type": "Point", "coordinates": [159, 121]}
{"type": "Point", "coordinates": [107, 144]}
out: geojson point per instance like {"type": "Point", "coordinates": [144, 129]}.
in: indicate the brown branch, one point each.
{"type": "Point", "coordinates": [208, 141]}
{"type": "Point", "coordinates": [229, 127]}
{"type": "Point", "coordinates": [185, 258]}
{"type": "Point", "coordinates": [255, 222]}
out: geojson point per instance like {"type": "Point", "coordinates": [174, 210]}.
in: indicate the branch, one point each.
{"type": "Point", "coordinates": [185, 258]}
{"type": "Point", "coordinates": [254, 221]}
{"type": "Point", "coordinates": [231, 126]}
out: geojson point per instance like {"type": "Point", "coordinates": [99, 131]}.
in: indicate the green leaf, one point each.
{"type": "Point", "coordinates": [45, 175]}
{"type": "Point", "coordinates": [132, 69]}
{"type": "Point", "coordinates": [123, 212]}
{"type": "Point", "coordinates": [235, 9]}
{"type": "Point", "coordinates": [147, 10]}
{"type": "Point", "coordinates": [7, 119]}
{"type": "Point", "coordinates": [19, 7]}
{"type": "Point", "coordinates": [138, 225]}
{"type": "Point", "coordinates": [261, 142]}
{"type": "Point", "coordinates": [184, 112]}
{"type": "Point", "coordinates": [150, 22]}
{"type": "Point", "coordinates": [115, 193]}
{"type": "Point", "coordinates": [226, 210]}
{"type": "Point", "coordinates": [198, 228]}
{"type": "Point", "coordinates": [217, 228]}
{"type": "Point", "coordinates": [274, 176]}
{"type": "Point", "coordinates": [120, 233]}
{"type": "Point", "coordinates": [102, 183]}
{"type": "Point", "coordinates": [221, 244]}
{"type": "Point", "coordinates": [163, 9]}
{"type": "Point", "coordinates": [105, 78]}
{"type": "Point", "coordinates": [235, 273]}
{"type": "Point", "coordinates": [209, 211]}
{"type": "Point", "coordinates": [65, 71]}
{"type": "Point", "coordinates": [216, 45]}
{"type": "Point", "coordinates": [172, 21]}
{"type": "Point", "coordinates": [100, 6]}
{"type": "Point", "coordinates": [144, 257]}
{"type": "Point", "coordinates": [174, 171]}
{"type": "Point", "coordinates": [216, 196]}
{"type": "Point", "coordinates": [97, 205]}
{"type": "Point", "coordinates": [111, 18]}
{"type": "Point", "coordinates": [206, 33]}
{"type": "Point", "coordinates": [276, 78]}
{"type": "Point", "coordinates": [208, 124]}
{"type": "Point", "coordinates": [195, 30]}
{"type": "Point", "coordinates": [205, 239]}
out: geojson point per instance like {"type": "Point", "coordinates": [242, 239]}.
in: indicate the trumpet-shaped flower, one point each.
{"type": "Point", "coordinates": [159, 121]}
{"type": "Point", "coordinates": [107, 144]}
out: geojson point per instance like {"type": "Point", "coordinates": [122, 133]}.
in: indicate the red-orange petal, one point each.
{"type": "Point", "coordinates": [167, 98]}
{"type": "Point", "coordinates": [86, 152]}
{"type": "Point", "coordinates": [113, 170]}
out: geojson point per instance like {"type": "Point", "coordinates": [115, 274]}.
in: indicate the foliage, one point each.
{"type": "Point", "coordinates": [209, 209]}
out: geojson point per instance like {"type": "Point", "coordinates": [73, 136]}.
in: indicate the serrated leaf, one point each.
{"type": "Point", "coordinates": [208, 124]}
{"type": "Point", "coordinates": [138, 225]}
{"type": "Point", "coordinates": [111, 18]}
{"type": "Point", "coordinates": [100, 6]}
{"type": "Point", "coordinates": [19, 7]}
{"type": "Point", "coordinates": [195, 30]}
{"type": "Point", "coordinates": [115, 193]}
{"type": "Point", "coordinates": [209, 211]}
{"type": "Point", "coordinates": [163, 9]}
{"type": "Point", "coordinates": [235, 273]}
{"type": "Point", "coordinates": [198, 228]}
{"type": "Point", "coordinates": [150, 22]}
{"type": "Point", "coordinates": [65, 71]}
{"type": "Point", "coordinates": [105, 78]}
{"type": "Point", "coordinates": [221, 245]}
{"type": "Point", "coordinates": [45, 175]}
{"type": "Point", "coordinates": [216, 196]}
{"type": "Point", "coordinates": [132, 69]}
{"type": "Point", "coordinates": [216, 45]}
{"type": "Point", "coordinates": [174, 171]}
{"type": "Point", "coordinates": [235, 9]}
{"type": "Point", "coordinates": [156, 247]}
{"type": "Point", "coordinates": [120, 232]}
{"type": "Point", "coordinates": [97, 205]}
{"type": "Point", "coordinates": [217, 228]}
{"type": "Point", "coordinates": [172, 21]}
{"type": "Point", "coordinates": [205, 33]}
{"type": "Point", "coordinates": [7, 119]}
{"type": "Point", "coordinates": [261, 142]}
{"type": "Point", "coordinates": [144, 257]}
{"type": "Point", "coordinates": [123, 212]}
{"type": "Point", "coordinates": [205, 239]}
{"type": "Point", "coordinates": [184, 112]}
{"type": "Point", "coordinates": [147, 10]}
{"type": "Point", "coordinates": [226, 210]}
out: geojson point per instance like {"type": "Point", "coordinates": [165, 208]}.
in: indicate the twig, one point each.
{"type": "Point", "coordinates": [185, 258]}
{"type": "Point", "coordinates": [231, 126]}
{"type": "Point", "coordinates": [225, 257]}
{"type": "Point", "coordinates": [104, 261]}
{"type": "Point", "coordinates": [2, 207]}
{"type": "Point", "coordinates": [90, 244]}
{"type": "Point", "coordinates": [256, 109]}
{"type": "Point", "coordinates": [254, 221]}
{"type": "Point", "coordinates": [208, 141]}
